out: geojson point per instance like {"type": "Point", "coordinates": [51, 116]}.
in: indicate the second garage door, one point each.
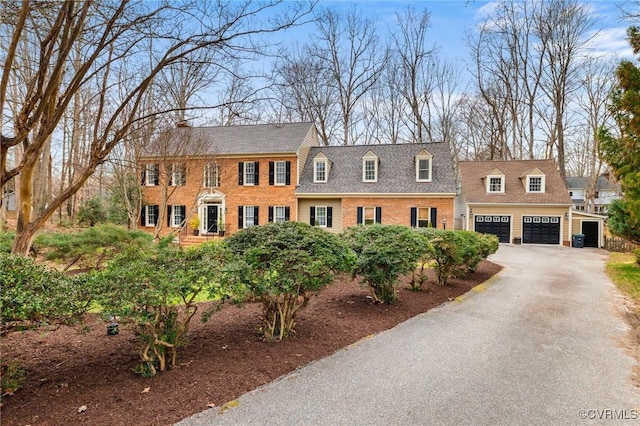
{"type": "Point", "coordinates": [496, 225]}
{"type": "Point", "coordinates": [541, 230]}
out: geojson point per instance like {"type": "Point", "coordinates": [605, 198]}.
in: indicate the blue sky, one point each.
{"type": "Point", "coordinates": [451, 19]}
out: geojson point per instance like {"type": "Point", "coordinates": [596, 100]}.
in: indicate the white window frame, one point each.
{"type": "Point", "coordinates": [370, 167]}
{"type": "Point", "coordinates": [418, 220]}
{"type": "Point", "coordinates": [149, 171]}
{"type": "Point", "coordinates": [529, 183]}
{"type": "Point", "coordinates": [366, 220]}
{"type": "Point", "coordinates": [249, 176]}
{"type": "Point", "coordinates": [178, 174]}
{"type": "Point", "coordinates": [175, 223]}
{"type": "Point", "coordinates": [317, 176]}
{"type": "Point", "coordinates": [280, 173]}
{"type": "Point", "coordinates": [424, 156]}
{"type": "Point", "coordinates": [248, 219]}
{"type": "Point", "coordinates": [321, 219]}
{"type": "Point", "coordinates": [148, 215]}
{"type": "Point", "coordinates": [490, 185]}
{"type": "Point", "coordinates": [211, 175]}
{"type": "Point", "coordinates": [279, 214]}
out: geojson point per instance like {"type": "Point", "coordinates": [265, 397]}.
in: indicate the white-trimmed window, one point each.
{"type": "Point", "coordinates": [423, 166]}
{"type": "Point", "coordinates": [280, 173]}
{"type": "Point", "coordinates": [249, 173]}
{"type": "Point", "coordinates": [535, 183]}
{"type": "Point", "coordinates": [177, 216]}
{"type": "Point", "coordinates": [151, 174]}
{"type": "Point", "coordinates": [249, 216]}
{"type": "Point", "coordinates": [177, 174]}
{"type": "Point", "coordinates": [369, 215]}
{"type": "Point", "coordinates": [320, 170]}
{"type": "Point", "coordinates": [321, 216]}
{"type": "Point", "coordinates": [370, 167]}
{"type": "Point", "coordinates": [150, 215]}
{"type": "Point", "coordinates": [495, 184]}
{"type": "Point", "coordinates": [424, 216]}
{"type": "Point", "coordinates": [212, 175]}
{"type": "Point", "coordinates": [279, 214]}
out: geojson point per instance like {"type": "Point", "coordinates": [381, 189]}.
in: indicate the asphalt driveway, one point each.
{"type": "Point", "coordinates": [537, 344]}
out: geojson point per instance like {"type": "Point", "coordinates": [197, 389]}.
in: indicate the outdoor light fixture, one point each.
{"type": "Point", "coordinates": [444, 223]}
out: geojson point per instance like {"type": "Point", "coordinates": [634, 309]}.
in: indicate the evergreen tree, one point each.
{"type": "Point", "coordinates": [622, 152]}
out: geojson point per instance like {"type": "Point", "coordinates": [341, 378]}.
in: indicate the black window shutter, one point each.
{"type": "Point", "coordinates": [378, 214]}
{"type": "Point", "coordinates": [270, 213]}
{"type": "Point", "coordinates": [156, 178]}
{"type": "Point", "coordinates": [169, 208]}
{"type": "Point", "coordinates": [288, 171]}
{"type": "Point", "coordinates": [169, 168]}
{"type": "Point", "coordinates": [287, 213]}
{"type": "Point", "coordinates": [271, 172]}
{"type": "Point", "coordinates": [329, 217]}
{"type": "Point", "coordinates": [434, 217]}
{"type": "Point", "coordinates": [143, 216]}
{"type": "Point", "coordinates": [312, 216]}
{"type": "Point", "coordinates": [143, 178]}
{"type": "Point", "coordinates": [155, 210]}
{"type": "Point", "coordinates": [241, 173]}
{"type": "Point", "coordinates": [255, 212]}
{"type": "Point", "coordinates": [183, 214]}
{"type": "Point", "coordinates": [240, 216]}
{"type": "Point", "coordinates": [257, 173]}
{"type": "Point", "coordinates": [359, 220]}
{"type": "Point", "coordinates": [414, 217]}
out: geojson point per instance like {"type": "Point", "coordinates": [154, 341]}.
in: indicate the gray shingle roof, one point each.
{"type": "Point", "coordinates": [396, 170]}
{"type": "Point", "coordinates": [473, 174]}
{"type": "Point", "coordinates": [602, 183]}
{"type": "Point", "coordinates": [231, 140]}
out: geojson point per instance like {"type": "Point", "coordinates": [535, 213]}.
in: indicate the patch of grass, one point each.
{"type": "Point", "coordinates": [625, 273]}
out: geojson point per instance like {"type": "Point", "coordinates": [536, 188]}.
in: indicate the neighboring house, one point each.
{"type": "Point", "coordinates": [519, 201]}
{"type": "Point", "coordinates": [235, 177]}
{"type": "Point", "coordinates": [405, 184]}
{"type": "Point", "coordinates": [604, 193]}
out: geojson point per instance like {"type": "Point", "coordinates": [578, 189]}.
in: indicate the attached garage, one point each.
{"type": "Point", "coordinates": [541, 230]}
{"type": "Point", "coordinates": [496, 225]}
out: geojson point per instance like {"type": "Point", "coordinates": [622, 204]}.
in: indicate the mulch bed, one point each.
{"type": "Point", "coordinates": [68, 368]}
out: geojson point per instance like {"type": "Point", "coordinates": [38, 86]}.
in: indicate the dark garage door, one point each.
{"type": "Point", "coordinates": [541, 230]}
{"type": "Point", "coordinates": [496, 225]}
{"type": "Point", "coordinates": [591, 233]}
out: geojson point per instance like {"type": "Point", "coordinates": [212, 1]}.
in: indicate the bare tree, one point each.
{"type": "Point", "coordinates": [109, 36]}
{"type": "Point", "coordinates": [562, 28]}
{"type": "Point", "coordinates": [416, 62]}
{"type": "Point", "coordinates": [306, 91]}
{"type": "Point", "coordinates": [348, 46]}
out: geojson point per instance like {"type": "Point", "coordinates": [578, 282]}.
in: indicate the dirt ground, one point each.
{"type": "Point", "coordinates": [68, 369]}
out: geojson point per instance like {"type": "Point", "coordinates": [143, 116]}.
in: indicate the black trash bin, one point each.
{"type": "Point", "coordinates": [578, 241]}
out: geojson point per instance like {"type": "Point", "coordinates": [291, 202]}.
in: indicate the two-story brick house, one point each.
{"type": "Point", "coordinates": [240, 176]}
{"type": "Point", "coordinates": [229, 177]}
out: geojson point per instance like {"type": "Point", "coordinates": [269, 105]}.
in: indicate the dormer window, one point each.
{"type": "Point", "coordinates": [320, 169]}
{"type": "Point", "coordinates": [495, 184]}
{"type": "Point", "coordinates": [423, 166]}
{"type": "Point", "coordinates": [370, 167]}
{"type": "Point", "coordinates": [535, 183]}
{"type": "Point", "coordinates": [534, 180]}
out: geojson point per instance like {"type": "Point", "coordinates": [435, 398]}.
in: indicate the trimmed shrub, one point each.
{"type": "Point", "coordinates": [456, 253]}
{"type": "Point", "coordinates": [90, 247]}
{"type": "Point", "coordinates": [34, 295]}
{"type": "Point", "coordinates": [154, 294]}
{"type": "Point", "coordinates": [283, 264]}
{"type": "Point", "coordinates": [384, 253]}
